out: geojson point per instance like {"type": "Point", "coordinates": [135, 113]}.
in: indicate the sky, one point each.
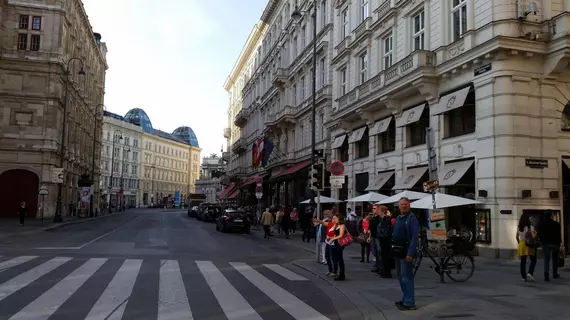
{"type": "Point", "coordinates": [172, 57]}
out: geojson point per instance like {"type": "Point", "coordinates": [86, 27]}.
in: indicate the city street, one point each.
{"type": "Point", "coordinates": [150, 264]}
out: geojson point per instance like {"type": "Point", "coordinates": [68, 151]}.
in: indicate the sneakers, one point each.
{"type": "Point", "coordinates": [331, 274]}
{"type": "Point", "coordinates": [403, 307]}
{"type": "Point", "coordinates": [529, 277]}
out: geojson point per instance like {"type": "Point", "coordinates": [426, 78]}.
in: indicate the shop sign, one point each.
{"type": "Point", "coordinates": [437, 229]}
{"type": "Point", "coordinates": [479, 71]}
{"type": "Point", "coordinates": [431, 185]}
{"type": "Point", "coordinates": [536, 163]}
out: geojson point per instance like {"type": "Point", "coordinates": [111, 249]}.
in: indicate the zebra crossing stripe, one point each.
{"type": "Point", "coordinates": [111, 305]}
{"type": "Point", "coordinates": [295, 307]}
{"type": "Point", "coordinates": [24, 279]}
{"type": "Point", "coordinates": [15, 262]}
{"type": "Point", "coordinates": [284, 272]}
{"type": "Point", "coordinates": [48, 303]}
{"type": "Point", "coordinates": [172, 298]}
{"type": "Point", "coordinates": [232, 302]}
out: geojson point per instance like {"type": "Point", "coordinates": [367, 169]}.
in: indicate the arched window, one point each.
{"type": "Point", "coordinates": [565, 118]}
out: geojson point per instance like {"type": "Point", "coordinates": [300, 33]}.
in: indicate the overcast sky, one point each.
{"type": "Point", "coordinates": [172, 57]}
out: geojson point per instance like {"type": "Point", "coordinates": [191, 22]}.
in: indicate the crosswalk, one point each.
{"type": "Point", "coordinates": [46, 288]}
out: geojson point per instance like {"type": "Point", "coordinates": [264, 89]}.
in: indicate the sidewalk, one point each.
{"type": "Point", "coordinates": [495, 291]}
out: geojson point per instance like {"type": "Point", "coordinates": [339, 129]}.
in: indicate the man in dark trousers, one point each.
{"type": "Point", "coordinates": [384, 236]}
{"type": "Point", "coordinates": [22, 212]}
{"type": "Point", "coordinates": [551, 236]}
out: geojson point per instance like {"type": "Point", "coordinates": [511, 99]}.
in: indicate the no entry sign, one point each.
{"type": "Point", "coordinates": [337, 168]}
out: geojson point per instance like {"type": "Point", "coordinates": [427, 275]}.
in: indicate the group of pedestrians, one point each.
{"type": "Point", "coordinates": [278, 217]}
{"type": "Point", "coordinates": [330, 232]}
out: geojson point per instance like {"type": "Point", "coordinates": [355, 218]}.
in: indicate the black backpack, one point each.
{"type": "Point", "coordinates": [384, 228]}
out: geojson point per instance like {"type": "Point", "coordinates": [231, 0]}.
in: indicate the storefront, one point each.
{"type": "Point", "coordinates": [289, 185]}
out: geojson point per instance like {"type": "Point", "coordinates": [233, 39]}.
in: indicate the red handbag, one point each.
{"type": "Point", "coordinates": [346, 240]}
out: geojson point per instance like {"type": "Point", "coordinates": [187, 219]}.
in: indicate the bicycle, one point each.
{"type": "Point", "coordinates": [456, 259]}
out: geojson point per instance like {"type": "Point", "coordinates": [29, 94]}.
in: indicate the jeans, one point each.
{"type": "Point", "coordinates": [323, 247]}
{"type": "Point", "coordinates": [530, 268]}
{"type": "Point", "coordinates": [405, 273]}
{"type": "Point", "coordinates": [328, 258]}
{"type": "Point", "coordinates": [365, 250]}
{"type": "Point", "coordinates": [551, 251]}
{"type": "Point", "coordinates": [377, 253]}
{"type": "Point", "coordinates": [385, 247]}
{"type": "Point", "coordinates": [267, 229]}
{"type": "Point", "coordinates": [307, 234]}
{"type": "Point", "coordinates": [337, 259]}
{"type": "Point", "coordinates": [293, 226]}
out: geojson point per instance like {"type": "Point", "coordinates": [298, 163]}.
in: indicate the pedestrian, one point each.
{"type": "Point", "coordinates": [526, 237]}
{"type": "Point", "coordinates": [384, 231]}
{"type": "Point", "coordinates": [364, 236]}
{"type": "Point", "coordinates": [266, 221]}
{"type": "Point", "coordinates": [294, 219]}
{"type": "Point", "coordinates": [373, 226]}
{"type": "Point", "coordinates": [306, 225]}
{"type": "Point", "coordinates": [404, 241]}
{"type": "Point", "coordinates": [285, 222]}
{"type": "Point", "coordinates": [22, 212]}
{"type": "Point", "coordinates": [551, 237]}
{"type": "Point", "coordinates": [336, 249]}
{"type": "Point", "coordinates": [324, 231]}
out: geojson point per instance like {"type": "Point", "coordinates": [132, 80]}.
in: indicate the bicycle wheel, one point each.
{"type": "Point", "coordinates": [456, 265]}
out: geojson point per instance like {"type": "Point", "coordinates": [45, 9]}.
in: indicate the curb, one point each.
{"type": "Point", "coordinates": [63, 224]}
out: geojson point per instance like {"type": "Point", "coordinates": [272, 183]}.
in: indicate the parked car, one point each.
{"type": "Point", "coordinates": [193, 211]}
{"type": "Point", "coordinates": [209, 213]}
{"type": "Point", "coordinates": [233, 219]}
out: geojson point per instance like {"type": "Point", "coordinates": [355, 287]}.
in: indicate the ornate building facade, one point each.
{"type": "Point", "coordinates": [211, 176]}
{"type": "Point", "coordinates": [39, 41]}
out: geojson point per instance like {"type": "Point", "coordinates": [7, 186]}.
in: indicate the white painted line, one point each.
{"type": "Point", "coordinates": [172, 298]}
{"type": "Point", "coordinates": [111, 303]}
{"type": "Point", "coordinates": [15, 262]}
{"type": "Point", "coordinates": [232, 302]}
{"type": "Point", "coordinates": [24, 279]}
{"type": "Point", "coordinates": [43, 307]}
{"type": "Point", "coordinates": [295, 307]}
{"type": "Point", "coordinates": [58, 248]}
{"type": "Point", "coordinates": [285, 273]}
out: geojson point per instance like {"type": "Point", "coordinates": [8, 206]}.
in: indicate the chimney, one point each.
{"type": "Point", "coordinates": [97, 37]}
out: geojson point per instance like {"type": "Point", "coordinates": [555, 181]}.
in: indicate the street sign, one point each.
{"type": "Point", "coordinates": [258, 191]}
{"type": "Point", "coordinates": [258, 195]}
{"type": "Point", "coordinates": [337, 169]}
{"type": "Point", "coordinates": [431, 185]}
{"type": "Point", "coordinates": [337, 181]}
{"type": "Point", "coordinates": [43, 191]}
{"type": "Point", "coordinates": [57, 175]}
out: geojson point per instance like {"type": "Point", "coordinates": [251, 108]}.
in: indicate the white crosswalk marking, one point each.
{"type": "Point", "coordinates": [295, 307]}
{"type": "Point", "coordinates": [111, 305]}
{"type": "Point", "coordinates": [15, 262]}
{"type": "Point", "coordinates": [232, 302]}
{"type": "Point", "coordinates": [24, 279]}
{"type": "Point", "coordinates": [44, 306]}
{"type": "Point", "coordinates": [172, 299]}
{"type": "Point", "coordinates": [285, 273]}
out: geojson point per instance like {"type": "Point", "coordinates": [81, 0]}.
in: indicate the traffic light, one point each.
{"type": "Point", "coordinates": [317, 177]}
{"type": "Point", "coordinates": [318, 155]}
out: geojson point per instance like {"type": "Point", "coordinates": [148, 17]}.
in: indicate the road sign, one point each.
{"type": "Point", "coordinates": [57, 175]}
{"type": "Point", "coordinates": [337, 169]}
{"type": "Point", "coordinates": [337, 181]}
{"type": "Point", "coordinates": [258, 191]}
{"type": "Point", "coordinates": [43, 191]}
{"type": "Point", "coordinates": [258, 195]}
{"type": "Point", "coordinates": [431, 185]}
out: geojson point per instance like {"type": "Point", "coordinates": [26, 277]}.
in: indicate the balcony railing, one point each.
{"type": "Point", "coordinates": [280, 77]}
{"type": "Point", "coordinates": [227, 133]}
{"type": "Point", "coordinates": [241, 118]}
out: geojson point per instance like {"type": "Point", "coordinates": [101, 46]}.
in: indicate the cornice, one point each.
{"type": "Point", "coordinates": [245, 54]}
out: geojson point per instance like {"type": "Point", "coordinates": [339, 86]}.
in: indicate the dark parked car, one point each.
{"type": "Point", "coordinates": [193, 211]}
{"type": "Point", "coordinates": [209, 213]}
{"type": "Point", "coordinates": [233, 219]}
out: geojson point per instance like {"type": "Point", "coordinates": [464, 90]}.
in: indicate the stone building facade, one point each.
{"type": "Point", "coordinates": [38, 41]}
{"type": "Point", "coordinates": [211, 176]}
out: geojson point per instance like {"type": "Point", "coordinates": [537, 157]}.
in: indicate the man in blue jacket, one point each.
{"type": "Point", "coordinates": [404, 241]}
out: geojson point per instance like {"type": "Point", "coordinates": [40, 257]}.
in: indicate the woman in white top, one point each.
{"type": "Point", "coordinates": [523, 250]}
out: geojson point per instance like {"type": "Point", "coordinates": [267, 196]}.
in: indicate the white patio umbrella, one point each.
{"type": "Point", "coordinates": [369, 197]}
{"type": "Point", "coordinates": [323, 199]}
{"type": "Point", "coordinates": [412, 195]}
{"type": "Point", "coordinates": [442, 201]}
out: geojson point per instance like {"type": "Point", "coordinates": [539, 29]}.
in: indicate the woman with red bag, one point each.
{"type": "Point", "coordinates": [337, 245]}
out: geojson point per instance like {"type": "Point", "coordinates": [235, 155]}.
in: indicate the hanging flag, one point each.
{"type": "Point", "coordinates": [259, 156]}
{"type": "Point", "coordinates": [267, 150]}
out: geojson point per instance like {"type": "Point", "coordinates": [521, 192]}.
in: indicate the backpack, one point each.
{"type": "Point", "coordinates": [384, 228]}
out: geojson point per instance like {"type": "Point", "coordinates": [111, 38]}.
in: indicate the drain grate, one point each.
{"type": "Point", "coordinates": [454, 316]}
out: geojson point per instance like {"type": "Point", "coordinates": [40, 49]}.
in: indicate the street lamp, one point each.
{"type": "Point", "coordinates": [115, 138]}
{"type": "Point", "coordinates": [58, 210]}
{"type": "Point", "coordinates": [93, 158]}
{"type": "Point", "coordinates": [296, 16]}
{"type": "Point", "coordinates": [122, 191]}
{"type": "Point", "coordinates": [153, 167]}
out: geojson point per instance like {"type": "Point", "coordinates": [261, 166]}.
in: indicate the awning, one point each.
{"type": "Point", "coordinates": [338, 141]}
{"type": "Point", "coordinates": [453, 171]}
{"type": "Point", "coordinates": [227, 190]}
{"type": "Point", "coordinates": [410, 178]}
{"type": "Point", "coordinates": [410, 116]}
{"type": "Point", "coordinates": [450, 101]}
{"type": "Point", "coordinates": [293, 169]}
{"type": "Point", "coordinates": [566, 162]}
{"type": "Point", "coordinates": [233, 195]}
{"type": "Point", "coordinates": [380, 181]}
{"type": "Point", "coordinates": [249, 181]}
{"type": "Point", "coordinates": [380, 126]}
{"type": "Point", "coordinates": [357, 135]}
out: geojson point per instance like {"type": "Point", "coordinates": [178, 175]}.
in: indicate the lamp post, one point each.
{"type": "Point", "coordinates": [93, 158]}
{"type": "Point", "coordinates": [58, 210]}
{"type": "Point", "coordinates": [115, 138]}
{"type": "Point", "coordinates": [153, 167]}
{"type": "Point", "coordinates": [122, 190]}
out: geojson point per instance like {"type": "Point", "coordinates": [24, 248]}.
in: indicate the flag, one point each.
{"type": "Point", "coordinates": [254, 155]}
{"type": "Point", "coordinates": [267, 150]}
{"type": "Point", "coordinates": [259, 155]}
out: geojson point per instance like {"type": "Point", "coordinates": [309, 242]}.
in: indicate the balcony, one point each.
{"type": "Point", "coordinates": [241, 118]}
{"type": "Point", "coordinates": [360, 33]}
{"type": "Point", "coordinates": [284, 117]}
{"type": "Point", "coordinates": [281, 77]}
{"type": "Point", "coordinates": [227, 133]}
{"type": "Point", "coordinates": [225, 156]}
{"type": "Point", "coordinates": [238, 146]}
{"type": "Point", "coordinates": [383, 12]}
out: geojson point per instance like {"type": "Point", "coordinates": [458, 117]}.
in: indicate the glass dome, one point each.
{"type": "Point", "coordinates": [140, 118]}
{"type": "Point", "coordinates": [188, 135]}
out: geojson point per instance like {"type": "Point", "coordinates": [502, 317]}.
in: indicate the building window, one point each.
{"type": "Point", "coordinates": [387, 139]}
{"type": "Point", "coordinates": [419, 29]}
{"type": "Point", "coordinates": [302, 88]}
{"type": "Point", "coordinates": [343, 81]}
{"type": "Point", "coordinates": [303, 37]}
{"type": "Point", "coordinates": [459, 18]}
{"type": "Point", "coordinates": [323, 13]}
{"type": "Point", "coordinates": [294, 93]}
{"type": "Point", "coordinates": [323, 70]}
{"type": "Point", "coordinates": [363, 146]}
{"type": "Point", "coordinates": [35, 42]}
{"type": "Point", "coordinates": [461, 121]}
{"type": "Point", "coordinates": [388, 48]}
{"type": "Point", "coordinates": [24, 22]}
{"type": "Point", "coordinates": [22, 41]}
{"type": "Point", "coordinates": [345, 27]}
{"type": "Point", "coordinates": [322, 126]}
{"type": "Point", "coordinates": [36, 23]}
{"type": "Point", "coordinates": [363, 67]}
{"type": "Point", "coordinates": [363, 9]}
{"type": "Point", "coordinates": [417, 131]}
{"type": "Point", "coordinates": [343, 151]}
